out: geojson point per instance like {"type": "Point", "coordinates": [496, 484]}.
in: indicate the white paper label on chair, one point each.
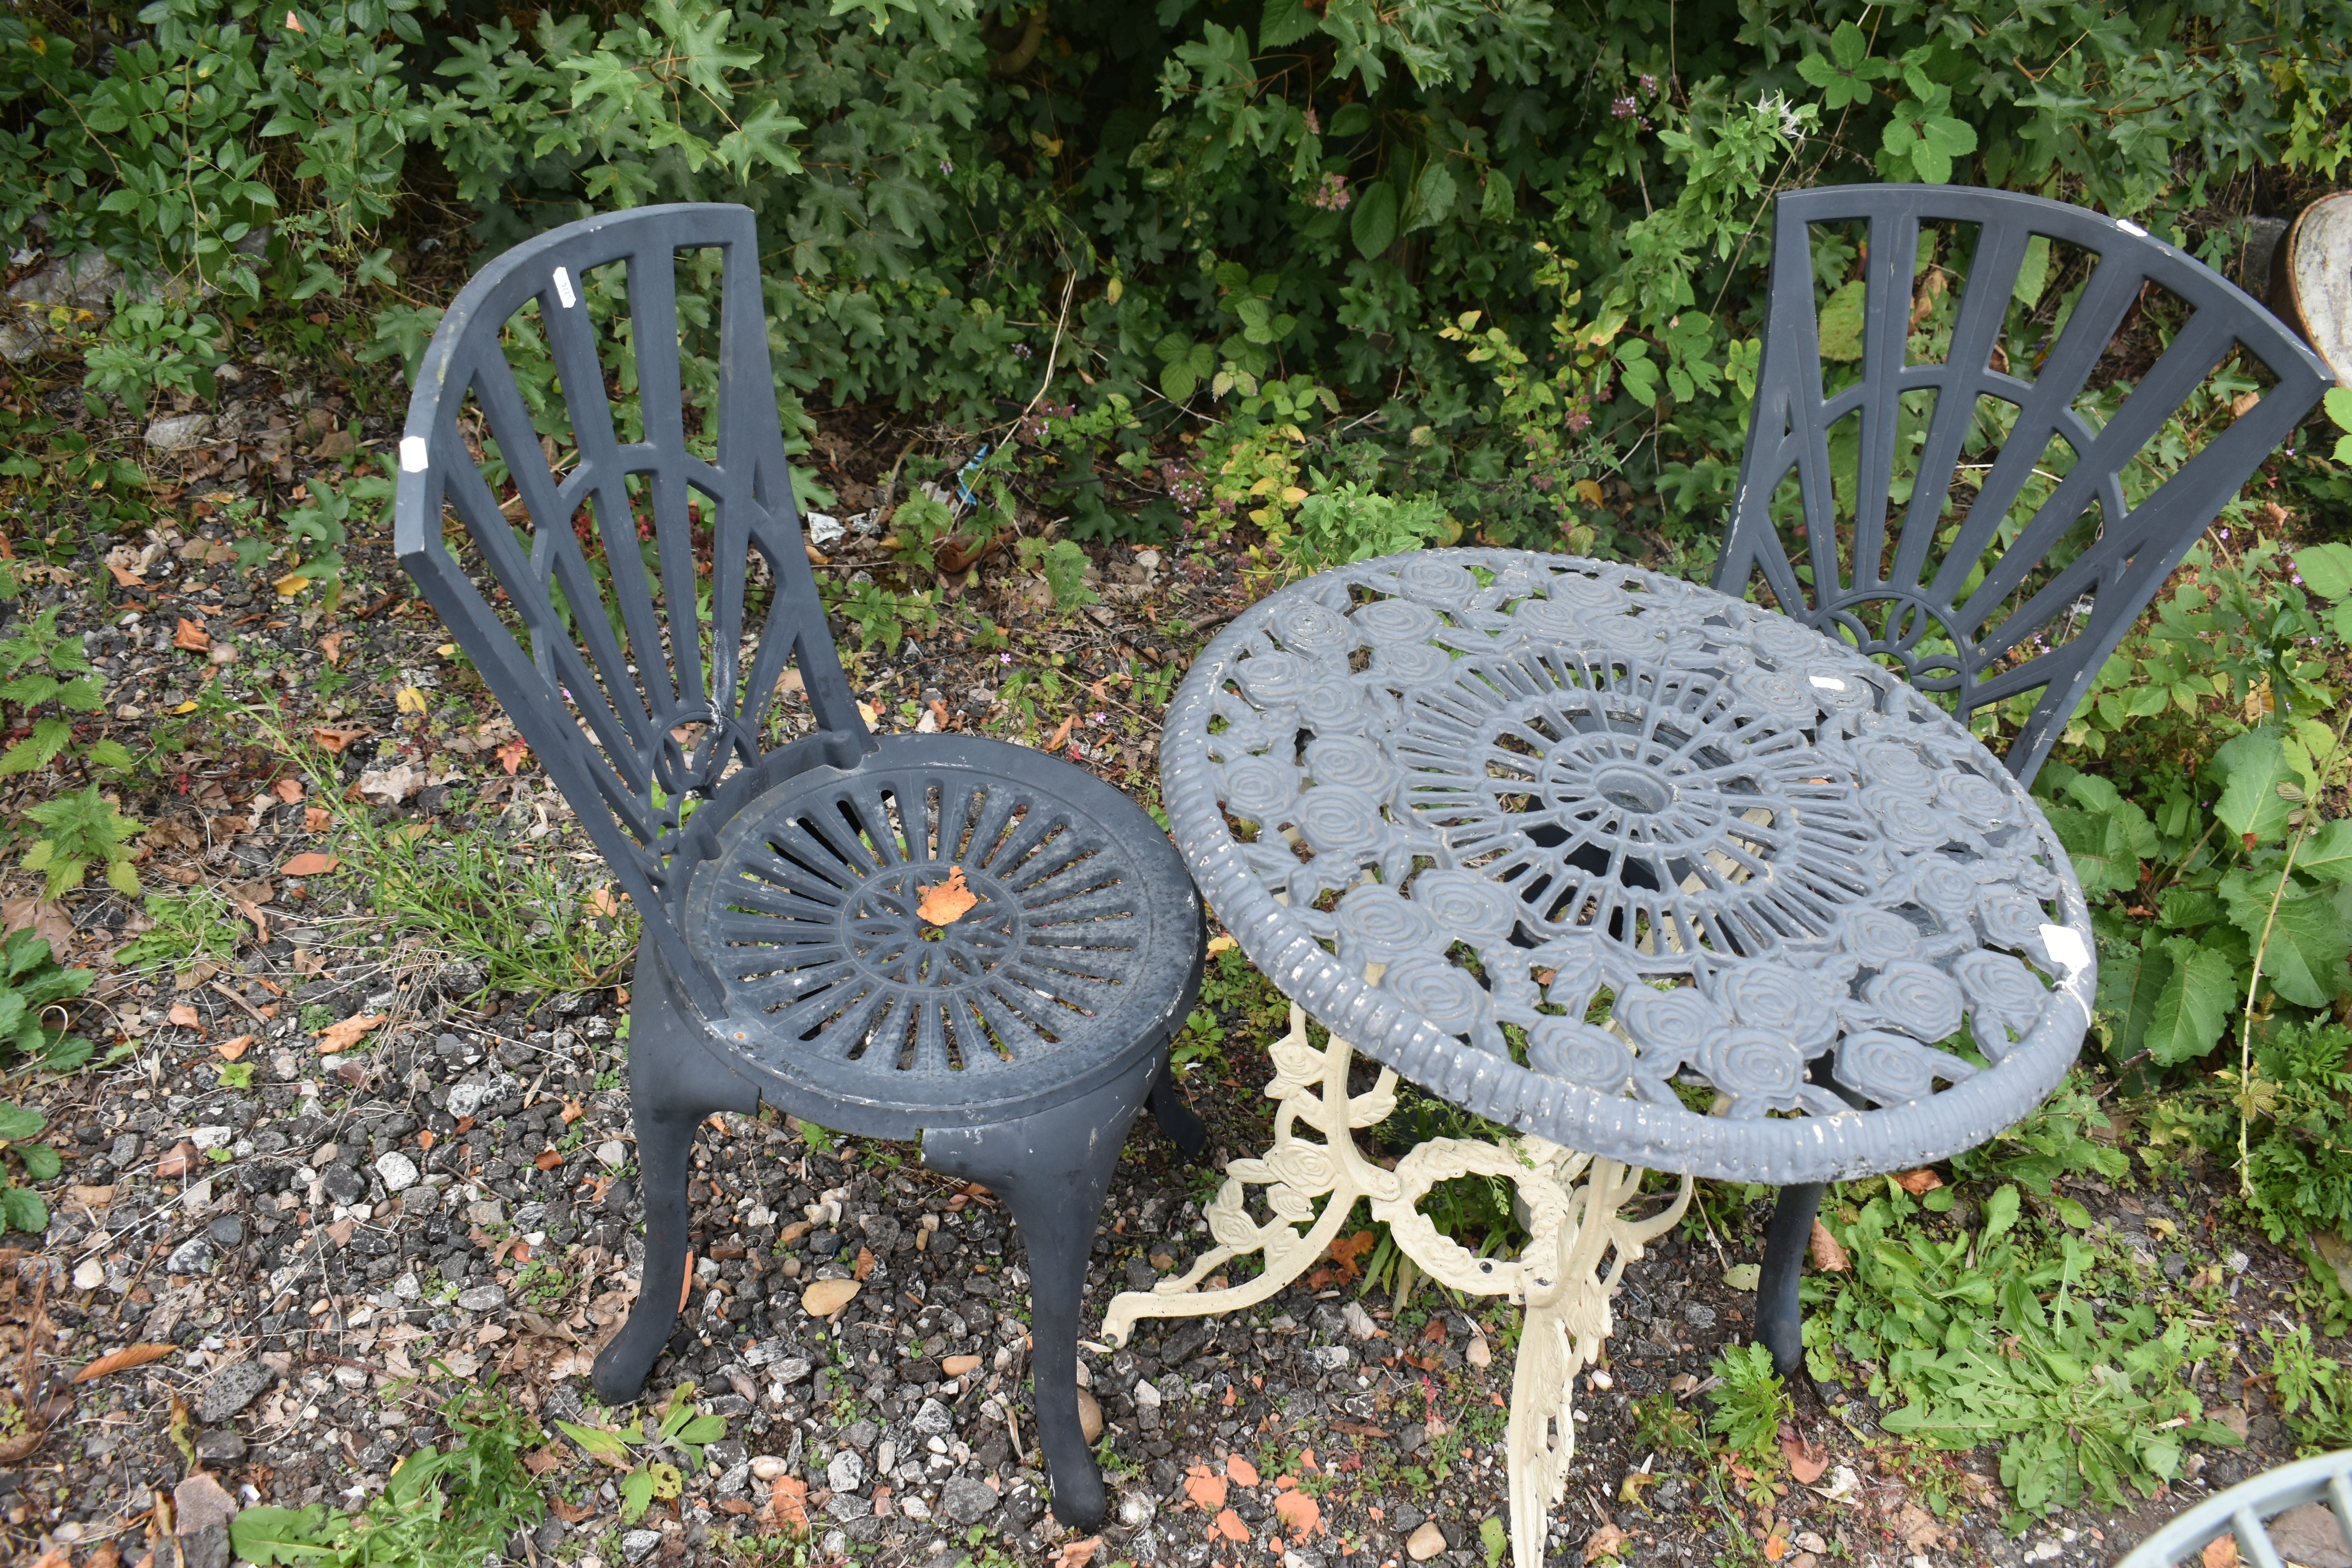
{"type": "Point", "coordinates": [564, 288]}
{"type": "Point", "coordinates": [1828, 682]}
{"type": "Point", "coordinates": [411, 454]}
{"type": "Point", "coordinates": [2064, 945]}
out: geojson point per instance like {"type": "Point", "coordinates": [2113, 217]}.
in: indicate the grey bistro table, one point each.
{"type": "Point", "coordinates": [1661, 880]}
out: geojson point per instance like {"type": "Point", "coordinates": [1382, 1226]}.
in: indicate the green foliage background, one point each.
{"type": "Point", "coordinates": [1201, 202]}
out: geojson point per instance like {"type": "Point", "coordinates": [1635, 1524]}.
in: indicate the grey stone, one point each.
{"type": "Point", "coordinates": [179, 432]}
{"type": "Point", "coordinates": [123, 1150]}
{"type": "Point", "coordinates": [227, 1231]}
{"type": "Point", "coordinates": [201, 1503]}
{"type": "Point", "coordinates": [86, 282]}
{"type": "Point", "coordinates": [17, 345]}
{"type": "Point", "coordinates": [932, 1419]}
{"type": "Point", "coordinates": [206, 1547]}
{"type": "Point", "coordinates": [967, 1502]}
{"type": "Point", "coordinates": [420, 1199]}
{"type": "Point", "coordinates": [231, 1390]}
{"type": "Point", "coordinates": [342, 1183]}
{"type": "Point", "coordinates": [847, 1472]}
{"type": "Point", "coordinates": [397, 1171]}
{"type": "Point", "coordinates": [636, 1544]}
{"type": "Point", "coordinates": [482, 1299]}
{"type": "Point", "coordinates": [220, 1447]}
{"type": "Point", "coordinates": [2309, 1535]}
{"type": "Point", "coordinates": [194, 1255]}
{"type": "Point", "coordinates": [1699, 1314]}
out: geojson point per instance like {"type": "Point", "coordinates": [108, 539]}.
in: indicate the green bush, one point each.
{"type": "Point", "coordinates": [1257, 216]}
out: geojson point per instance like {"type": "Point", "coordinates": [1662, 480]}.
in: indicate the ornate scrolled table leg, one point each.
{"type": "Point", "coordinates": [1573, 1202]}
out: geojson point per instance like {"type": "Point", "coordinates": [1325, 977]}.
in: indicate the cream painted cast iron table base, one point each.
{"type": "Point", "coordinates": [1576, 1219]}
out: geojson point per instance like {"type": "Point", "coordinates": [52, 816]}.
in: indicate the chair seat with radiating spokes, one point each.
{"type": "Point", "coordinates": [1966, 458]}
{"type": "Point", "coordinates": [934, 936]}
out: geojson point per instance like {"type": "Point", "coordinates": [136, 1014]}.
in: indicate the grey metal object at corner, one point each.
{"type": "Point", "coordinates": [2247, 1509]}
{"type": "Point", "coordinates": [786, 957]}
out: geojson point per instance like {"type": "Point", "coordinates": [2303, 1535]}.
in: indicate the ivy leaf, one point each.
{"type": "Point", "coordinates": [2253, 765]}
{"type": "Point", "coordinates": [1373, 223]}
{"type": "Point", "coordinates": [2194, 1004]}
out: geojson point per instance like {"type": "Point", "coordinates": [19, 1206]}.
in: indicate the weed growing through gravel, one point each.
{"type": "Point", "coordinates": [2016, 1338]}
{"type": "Point", "coordinates": [441, 1506]}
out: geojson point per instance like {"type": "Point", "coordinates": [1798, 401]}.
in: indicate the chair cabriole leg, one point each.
{"type": "Point", "coordinates": [1053, 1170]}
{"type": "Point", "coordinates": [1176, 1119]}
{"type": "Point", "coordinates": [674, 1081]}
{"type": "Point", "coordinates": [1779, 1318]}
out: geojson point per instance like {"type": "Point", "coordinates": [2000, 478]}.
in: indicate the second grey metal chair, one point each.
{"type": "Point", "coordinates": [1937, 538]}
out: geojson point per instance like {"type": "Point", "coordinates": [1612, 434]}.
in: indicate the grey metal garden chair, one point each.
{"type": "Point", "coordinates": [790, 954]}
{"type": "Point", "coordinates": [2004, 577]}
{"type": "Point", "coordinates": [2267, 1517]}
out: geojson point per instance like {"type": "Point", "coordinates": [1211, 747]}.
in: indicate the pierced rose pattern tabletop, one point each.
{"type": "Point", "coordinates": [1629, 865]}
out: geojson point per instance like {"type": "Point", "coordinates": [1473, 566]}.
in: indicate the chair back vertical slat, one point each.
{"type": "Point", "coordinates": [1967, 614]}
{"type": "Point", "coordinates": [602, 477]}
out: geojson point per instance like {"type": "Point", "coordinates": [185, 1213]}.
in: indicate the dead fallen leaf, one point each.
{"type": "Point", "coordinates": [865, 1265]}
{"type": "Point", "coordinates": [337, 1038]}
{"type": "Point", "coordinates": [1204, 1489]}
{"type": "Point", "coordinates": [1079, 1553]}
{"type": "Point", "coordinates": [316, 818]}
{"type": "Point", "coordinates": [1827, 1255]}
{"type": "Point", "coordinates": [310, 863]}
{"type": "Point", "coordinates": [548, 1160]}
{"type": "Point", "coordinates": [1606, 1541]}
{"type": "Point", "coordinates": [1776, 1546]}
{"type": "Point", "coordinates": [335, 739]}
{"type": "Point", "coordinates": [128, 1356]}
{"type": "Point", "coordinates": [1922, 1180]}
{"type": "Point", "coordinates": [287, 790]}
{"type": "Point", "coordinates": [2221, 1552]}
{"type": "Point", "coordinates": [788, 1502]}
{"type": "Point", "coordinates": [45, 918]}
{"type": "Point", "coordinates": [569, 1512]}
{"type": "Point", "coordinates": [192, 637]}
{"type": "Point", "coordinates": [826, 1297]}
{"type": "Point", "coordinates": [539, 1461]}
{"type": "Point", "coordinates": [572, 1112]}
{"type": "Point", "coordinates": [1807, 1459]}
{"type": "Point", "coordinates": [232, 1050]}
{"type": "Point", "coordinates": [179, 1161]}
{"type": "Point", "coordinates": [1242, 1472]}
{"type": "Point", "coordinates": [1302, 1514]}
{"type": "Point", "coordinates": [124, 577]}
{"type": "Point", "coordinates": [331, 644]}
{"type": "Point", "coordinates": [944, 904]}
{"type": "Point", "coordinates": [184, 1016]}
{"type": "Point", "coordinates": [1061, 737]}
{"type": "Point", "coordinates": [510, 755]}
